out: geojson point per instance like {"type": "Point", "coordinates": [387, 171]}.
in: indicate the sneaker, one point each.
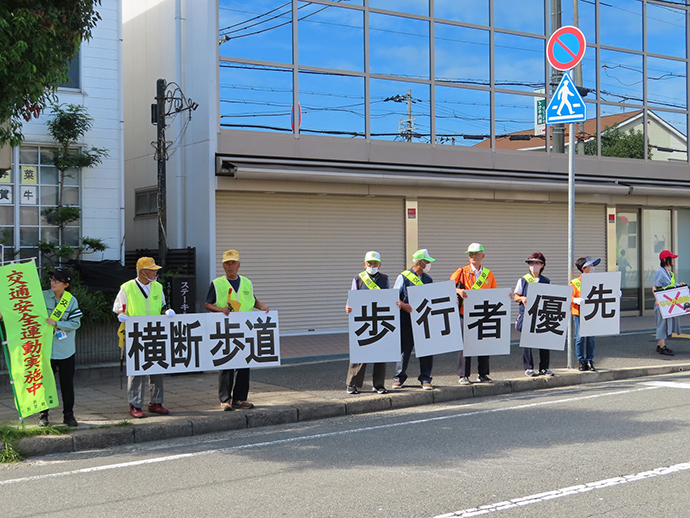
{"type": "Point", "coordinates": [242, 404]}
{"type": "Point", "coordinates": [380, 390]}
{"type": "Point", "coordinates": [583, 366]}
{"type": "Point", "coordinates": [69, 420]}
{"type": "Point", "coordinates": [530, 373]}
{"type": "Point", "coordinates": [397, 385]}
{"type": "Point", "coordinates": [427, 386]}
{"type": "Point", "coordinates": [157, 408]}
{"type": "Point", "coordinates": [226, 407]}
{"type": "Point", "coordinates": [464, 381]}
{"type": "Point", "coordinates": [43, 419]}
{"type": "Point", "coordinates": [135, 412]}
{"type": "Point", "coordinates": [545, 372]}
{"type": "Point", "coordinates": [352, 390]}
{"type": "Point", "coordinates": [484, 379]}
{"type": "Point", "coordinates": [591, 366]}
{"type": "Point", "coordinates": [664, 351]}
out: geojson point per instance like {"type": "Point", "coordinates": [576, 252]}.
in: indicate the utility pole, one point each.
{"type": "Point", "coordinates": [557, 130]}
{"type": "Point", "coordinates": [161, 160]}
{"type": "Point", "coordinates": [170, 101]}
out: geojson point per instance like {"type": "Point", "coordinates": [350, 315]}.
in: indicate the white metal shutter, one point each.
{"type": "Point", "coordinates": [301, 251]}
{"type": "Point", "coordinates": [510, 232]}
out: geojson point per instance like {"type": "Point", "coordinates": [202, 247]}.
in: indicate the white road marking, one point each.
{"type": "Point", "coordinates": [667, 384]}
{"type": "Point", "coordinates": [276, 442]}
{"type": "Point", "coordinates": [566, 491]}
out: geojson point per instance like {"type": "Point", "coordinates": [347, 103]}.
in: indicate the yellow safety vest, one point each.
{"type": "Point", "coordinates": [226, 297]}
{"type": "Point", "coordinates": [673, 282]}
{"type": "Point", "coordinates": [138, 305]}
{"type": "Point", "coordinates": [368, 281]}
{"type": "Point", "coordinates": [61, 307]}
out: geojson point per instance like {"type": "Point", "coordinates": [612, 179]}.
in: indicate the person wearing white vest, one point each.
{"type": "Point", "coordinates": [141, 297]}
{"type": "Point", "coordinates": [231, 293]}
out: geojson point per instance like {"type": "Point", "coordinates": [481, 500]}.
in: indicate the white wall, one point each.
{"type": "Point", "coordinates": [173, 40]}
{"type": "Point", "coordinates": [102, 213]}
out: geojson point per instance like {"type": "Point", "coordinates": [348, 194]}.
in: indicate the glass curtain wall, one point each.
{"type": "Point", "coordinates": [425, 71]}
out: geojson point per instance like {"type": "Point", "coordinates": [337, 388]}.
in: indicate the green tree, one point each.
{"type": "Point", "coordinates": [618, 143]}
{"type": "Point", "coordinates": [38, 38]}
{"type": "Point", "coordinates": [68, 125]}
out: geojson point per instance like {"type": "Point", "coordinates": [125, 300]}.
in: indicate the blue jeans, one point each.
{"type": "Point", "coordinates": [584, 345]}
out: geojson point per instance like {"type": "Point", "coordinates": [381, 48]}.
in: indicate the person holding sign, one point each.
{"type": "Point", "coordinates": [536, 263]}
{"type": "Point", "coordinates": [665, 279]}
{"type": "Point", "coordinates": [65, 317]}
{"type": "Point", "coordinates": [417, 275]}
{"type": "Point", "coordinates": [584, 345]}
{"type": "Point", "coordinates": [472, 277]}
{"type": "Point", "coordinates": [137, 298]}
{"type": "Point", "coordinates": [370, 279]}
{"type": "Point", "coordinates": [231, 293]}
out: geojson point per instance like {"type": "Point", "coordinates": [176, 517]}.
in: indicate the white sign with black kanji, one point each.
{"type": "Point", "coordinates": [374, 325]}
{"type": "Point", "coordinates": [545, 320]}
{"type": "Point", "coordinates": [487, 322]}
{"type": "Point", "coordinates": [201, 342]}
{"type": "Point", "coordinates": [600, 309]}
{"type": "Point", "coordinates": [435, 318]}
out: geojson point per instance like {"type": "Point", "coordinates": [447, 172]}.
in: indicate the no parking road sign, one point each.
{"type": "Point", "coordinates": [565, 48]}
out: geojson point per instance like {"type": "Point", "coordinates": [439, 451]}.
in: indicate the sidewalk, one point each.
{"type": "Point", "coordinates": [311, 385]}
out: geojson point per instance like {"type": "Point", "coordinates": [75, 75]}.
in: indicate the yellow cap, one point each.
{"type": "Point", "coordinates": [147, 263]}
{"type": "Point", "coordinates": [231, 255]}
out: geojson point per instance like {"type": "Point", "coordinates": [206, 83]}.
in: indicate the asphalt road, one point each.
{"type": "Point", "coordinates": [617, 449]}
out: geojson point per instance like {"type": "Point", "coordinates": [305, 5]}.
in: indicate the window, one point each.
{"type": "Point", "coordinates": [145, 202]}
{"type": "Point", "coordinates": [73, 76]}
{"type": "Point", "coordinates": [25, 192]}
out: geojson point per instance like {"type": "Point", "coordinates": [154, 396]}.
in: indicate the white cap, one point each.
{"type": "Point", "coordinates": [372, 256]}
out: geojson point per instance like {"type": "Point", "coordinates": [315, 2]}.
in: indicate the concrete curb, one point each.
{"type": "Point", "coordinates": [174, 427]}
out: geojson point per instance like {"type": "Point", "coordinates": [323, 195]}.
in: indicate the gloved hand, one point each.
{"type": "Point", "coordinates": [122, 317]}
{"type": "Point", "coordinates": [577, 300]}
{"type": "Point", "coordinates": [169, 312]}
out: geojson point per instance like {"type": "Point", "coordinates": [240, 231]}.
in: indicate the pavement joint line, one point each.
{"type": "Point", "coordinates": [302, 438]}
{"type": "Point", "coordinates": [567, 491]}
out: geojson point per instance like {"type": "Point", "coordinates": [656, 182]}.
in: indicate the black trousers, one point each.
{"type": "Point", "coordinates": [64, 369]}
{"type": "Point", "coordinates": [465, 365]}
{"type": "Point", "coordinates": [226, 380]}
{"type": "Point", "coordinates": [528, 361]}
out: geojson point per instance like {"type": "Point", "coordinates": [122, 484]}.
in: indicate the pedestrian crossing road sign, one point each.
{"type": "Point", "coordinates": [566, 104]}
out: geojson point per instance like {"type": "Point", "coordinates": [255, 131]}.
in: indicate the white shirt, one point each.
{"type": "Point", "coordinates": [121, 298]}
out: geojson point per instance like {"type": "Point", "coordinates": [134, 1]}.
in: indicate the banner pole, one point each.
{"type": "Point", "coordinates": [9, 371]}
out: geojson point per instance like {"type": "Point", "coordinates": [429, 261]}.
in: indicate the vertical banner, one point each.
{"type": "Point", "coordinates": [374, 325]}
{"type": "Point", "coordinates": [673, 302]}
{"type": "Point", "coordinates": [600, 308]}
{"type": "Point", "coordinates": [29, 338]}
{"type": "Point", "coordinates": [487, 322]}
{"type": "Point", "coordinates": [546, 316]}
{"type": "Point", "coordinates": [435, 318]}
{"type": "Point", "coordinates": [201, 342]}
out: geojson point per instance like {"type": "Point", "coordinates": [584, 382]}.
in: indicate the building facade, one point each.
{"type": "Point", "coordinates": [95, 82]}
{"type": "Point", "coordinates": [329, 128]}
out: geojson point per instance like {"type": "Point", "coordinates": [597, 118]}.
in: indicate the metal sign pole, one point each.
{"type": "Point", "coordinates": [571, 231]}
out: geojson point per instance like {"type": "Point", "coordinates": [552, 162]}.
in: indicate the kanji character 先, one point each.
{"type": "Point", "coordinates": [597, 298]}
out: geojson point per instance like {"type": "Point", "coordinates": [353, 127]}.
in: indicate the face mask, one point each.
{"type": "Point", "coordinates": [591, 269]}
{"type": "Point", "coordinates": [427, 268]}
{"type": "Point", "coordinates": [372, 271]}
{"type": "Point", "coordinates": [535, 269]}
